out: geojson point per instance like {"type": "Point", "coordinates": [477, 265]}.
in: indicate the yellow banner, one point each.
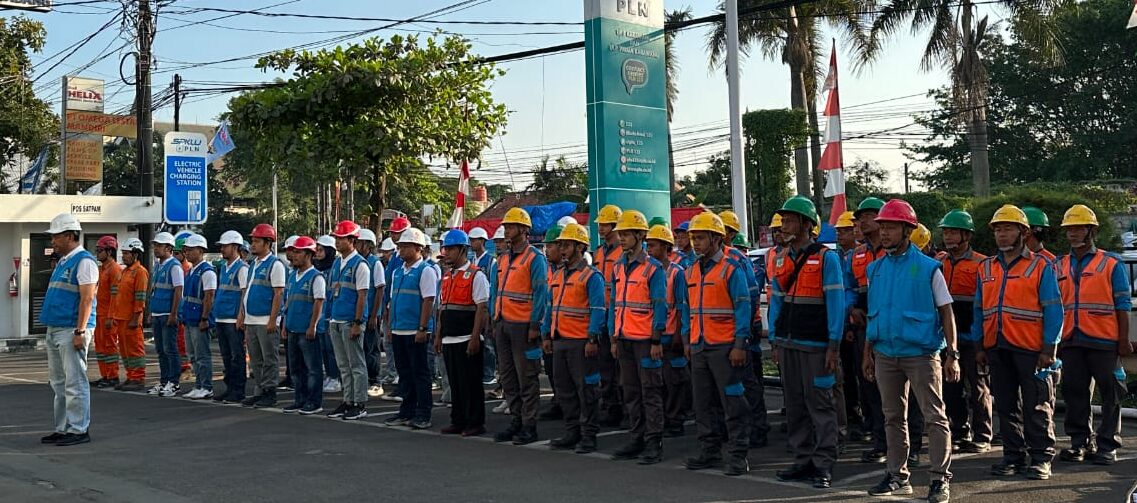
{"type": "Point", "coordinates": [84, 158]}
{"type": "Point", "coordinates": [79, 121]}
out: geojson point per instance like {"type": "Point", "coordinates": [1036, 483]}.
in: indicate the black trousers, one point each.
{"type": "Point", "coordinates": [371, 354]}
{"type": "Point", "coordinates": [677, 384]}
{"type": "Point", "coordinates": [869, 397]}
{"type": "Point", "coordinates": [1025, 405]}
{"type": "Point", "coordinates": [467, 396]}
{"type": "Point", "coordinates": [1081, 368]}
{"type": "Point", "coordinates": [577, 381]}
{"type": "Point", "coordinates": [642, 379]}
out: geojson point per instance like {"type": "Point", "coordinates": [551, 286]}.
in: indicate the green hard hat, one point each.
{"type": "Point", "coordinates": [179, 244]}
{"type": "Point", "coordinates": [657, 221]}
{"type": "Point", "coordinates": [1036, 217]}
{"type": "Point", "coordinates": [869, 204]}
{"type": "Point", "coordinates": [740, 241]}
{"type": "Point", "coordinates": [957, 219]}
{"type": "Point", "coordinates": [802, 206]}
{"type": "Point", "coordinates": [553, 233]}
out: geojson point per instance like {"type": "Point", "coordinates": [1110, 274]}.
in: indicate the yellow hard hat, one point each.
{"type": "Point", "coordinates": [517, 216]}
{"type": "Point", "coordinates": [1011, 214]}
{"type": "Point", "coordinates": [816, 231]}
{"type": "Point", "coordinates": [661, 233]}
{"type": "Point", "coordinates": [632, 220]}
{"type": "Point", "coordinates": [574, 232]}
{"type": "Point", "coordinates": [845, 220]}
{"type": "Point", "coordinates": [730, 220]}
{"type": "Point", "coordinates": [708, 222]}
{"type": "Point", "coordinates": [921, 236]}
{"type": "Point", "coordinates": [776, 221]}
{"type": "Point", "coordinates": [609, 214]}
{"type": "Point", "coordinates": [1079, 214]}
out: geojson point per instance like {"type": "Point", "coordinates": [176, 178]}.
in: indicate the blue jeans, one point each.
{"type": "Point", "coordinates": [306, 359]}
{"type": "Point", "coordinates": [201, 355]}
{"type": "Point", "coordinates": [166, 344]}
{"type": "Point", "coordinates": [67, 375]}
{"type": "Point", "coordinates": [489, 359]}
{"type": "Point", "coordinates": [414, 377]}
{"type": "Point", "coordinates": [329, 355]}
{"type": "Point", "coordinates": [231, 342]}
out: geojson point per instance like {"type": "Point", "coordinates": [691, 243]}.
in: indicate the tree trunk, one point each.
{"type": "Point", "coordinates": [815, 154]}
{"type": "Point", "coordinates": [980, 164]}
{"type": "Point", "coordinates": [801, 152]}
{"type": "Point", "coordinates": [378, 198]}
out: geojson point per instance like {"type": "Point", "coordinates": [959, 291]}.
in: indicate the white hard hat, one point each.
{"type": "Point", "coordinates": [414, 236]}
{"type": "Point", "coordinates": [133, 244]}
{"type": "Point", "coordinates": [163, 238]}
{"type": "Point", "coordinates": [499, 233]}
{"type": "Point", "coordinates": [479, 233]}
{"type": "Point", "coordinates": [367, 235]}
{"type": "Point", "coordinates": [196, 241]}
{"type": "Point", "coordinates": [565, 220]}
{"type": "Point", "coordinates": [64, 222]}
{"type": "Point", "coordinates": [326, 240]}
{"type": "Point", "coordinates": [231, 238]}
{"type": "Point", "coordinates": [290, 241]}
{"type": "Point", "coordinates": [387, 245]}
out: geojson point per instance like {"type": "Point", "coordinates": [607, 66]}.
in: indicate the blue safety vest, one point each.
{"type": "Point", "coordinates": [406, 299]}
{"type": "Point", "coordinates": [193, 298]}
{"type": "Point", "coordinates": [344, 294]}
{"type": "Point", "coordinates": [372, 259]}
{"type": "Point", "coordinates": [902, 317]}
{"type": "Point", "coordinates": [227, 299]}
{"type": "Point", "coordinates": [259, 301]}
{"type": "Point", "coordinates": [61, 304]}
{"type": "Point", "coordinates": [299, 301]}
{"type": "Point", "coordinates": [162, 294]}
{"type": "Point", "coordinates": [326, 311]}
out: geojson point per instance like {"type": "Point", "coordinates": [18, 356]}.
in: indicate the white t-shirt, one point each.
{"type": "Point", "coordinates": [378, 275]}
{"type": "Point", "coordinates": [481, 295]}
{"type": "Point", "coordinates": [427, 286]}
{"type": "Point", "coordinates": [242, 281]}
{"type": "Point", "coordinates": [940, 292]}
{"type": "Point", "coordinates": [177, 278]}
{"type": "Point", "coordinates": [208, 278]}
{"type": "Point", "coordinates": [276, 278]}
{"type": "Point", "coordinates": [362, 278]}
{"type": "Point", "coordinates": [88, 272]}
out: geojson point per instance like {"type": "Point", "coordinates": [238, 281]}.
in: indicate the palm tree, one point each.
{"type": "Point", "coordinates": [956, 42]}
{"type": "Point", "coordinates": [793, 35]}
{"type": "Point", "coordinates": [672, 64]}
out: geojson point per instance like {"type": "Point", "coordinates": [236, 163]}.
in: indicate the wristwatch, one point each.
{"type": "Point", "coordinates": [80, 331]}
{"type": "Point", "coordinates": [422, 329]}
{"type": "Point", "coordinates": [953, 353]}
{"type": "Point", "coordinates": [357, 322]}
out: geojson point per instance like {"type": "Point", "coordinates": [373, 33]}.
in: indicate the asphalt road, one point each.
{"type": "Point", "coordinates": [174, 450]}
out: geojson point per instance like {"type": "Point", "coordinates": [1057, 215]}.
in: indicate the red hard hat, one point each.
{"type": "Point", "coordinates": [305, 243]}
{"type": "Point", "coordinates": [264, 231]}
{"type": "Point", "coordinates": [107, 242]}
{"type": "Point", "coordinates": [399, 224]}
{"type": "Point", "coordinates": [346, 228]}
{"type": "Point", "coordinates": [898, 210]}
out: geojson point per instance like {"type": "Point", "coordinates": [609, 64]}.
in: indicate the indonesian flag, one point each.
{"type": "Point", "coordinates": [831, 162]}
{"type": "Point", "coordinates": [455, 221]}
{"type": "Point", "coordinates": [1133, 17]}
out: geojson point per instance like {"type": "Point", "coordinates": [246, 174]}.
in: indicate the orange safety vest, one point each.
{"type": "Point", "coordinates": [862, 257]}
{"type": "Point", "coordinates": [456, 307]}
{"type": "Point", "coordinates": [633, 301]}
{"type": "Point", "coordinates": [570, 309]}
{"type": "Point", "coordinates": [803, 315]}
{"type": "Point", "coordinates": [1087, 301]}
{"type": "Point", "coordinates": [771, 272]}
{"type": "Point", "coordinates": [712, 307]}
{"type": "Point", "coordinates": [608, 255]}
{"type": "Point", "coordinates": [108, 277]}
{"type": "Point", "coordinates": [962, 278]}
{"type": "Point", "coordinates": [129, 292]}
{"type": "Point", "coordinates": [515, 286]}
{"type": "Point", "coordinates": [1011, 307]}
{"type": "Point", "coordinates": [672, 327]}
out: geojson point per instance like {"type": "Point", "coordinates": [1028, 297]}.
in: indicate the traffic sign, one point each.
{"type": "Point", "coordinates": [187, 181]}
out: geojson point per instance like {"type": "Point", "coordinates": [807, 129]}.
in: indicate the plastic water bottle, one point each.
{"type": "Point", "coordinates": [1042, 374]}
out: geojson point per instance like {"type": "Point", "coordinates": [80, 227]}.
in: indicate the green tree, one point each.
{"type": "Point", "coordinates": [671, 60]}
{"type": "Point", "coordinates": [371, 111]}
{"type": "Point", "coordinates": [863, 178]}
{"type": "Point", "coordinates": [560, 180]}
{"type": "Point", "coordinates": [26, 122]}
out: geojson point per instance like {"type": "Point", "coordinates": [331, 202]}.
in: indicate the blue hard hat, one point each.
{"type": "Point", "coordinates": [683, 226]}
{"type": "Point", "coordinates": [456, 237]}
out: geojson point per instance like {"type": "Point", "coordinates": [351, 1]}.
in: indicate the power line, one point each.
{"type": "Point", "coordinates": [382, 19]}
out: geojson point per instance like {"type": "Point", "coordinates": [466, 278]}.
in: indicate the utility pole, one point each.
{"type": "Point", "coordinates": [905, 178]}
{"type": "Point", "coordinates": [144, 158]}
{"type": "Point", "coordinates": [177, 102]}
{"type": "Point", "coordinates": [737, 163]}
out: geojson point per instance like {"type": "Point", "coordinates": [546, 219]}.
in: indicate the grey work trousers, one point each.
{"type": "Point", "coordinates": [519, 362]}
{"type": "Point", "coordinates": [576, 379]}
{"type": "Point", "coordinates": [923, 377]}
{"type": "Point", "coordinates": [642, 380]}
{"type": "Point", "coordinates": [810, 414]}
{"type": "Point", "coordinates": [263, 358]}
{"type": "Point", "coordinates": [719, 397]}
{"type": "Point", "coordinates": [1081, 368]}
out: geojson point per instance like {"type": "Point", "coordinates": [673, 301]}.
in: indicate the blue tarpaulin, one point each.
{"type": "Point", "coordinates": [546, 215]}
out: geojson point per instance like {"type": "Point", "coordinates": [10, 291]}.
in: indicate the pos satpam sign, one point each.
{"type": "Point", "coordinates": [187, 187]}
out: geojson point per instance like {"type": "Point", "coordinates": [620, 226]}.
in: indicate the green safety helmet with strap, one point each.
{"type": "Point", "coordinates": [869, 204]}
{"type": "Point", "coordinates": [553, 233]}
{"type": "Point", "coordinates": [740, 241]}
{"type": "Point", "coordinates": [1036, 217]}
{"type": "Point", "coordinates": [656, 221]}
{"type": "Point", "coordinates": [958, 219]}
{"type": "Point", "coordinates": [802, 206]}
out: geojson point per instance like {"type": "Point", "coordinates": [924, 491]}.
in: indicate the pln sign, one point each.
{"type": "Point", "coordinates": [187, 182]}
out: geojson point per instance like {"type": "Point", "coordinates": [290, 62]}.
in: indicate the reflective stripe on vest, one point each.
{"type": "Point", "coordinates": [1087, 300]}
{"type": "Point", "coordinates": [862, 257]}
{"type": "Point", "coordinates": [227, 300]}
{"type": "Point", "coordinates": [633, 316]}
{"type": "Point", "coordinates": [344, 293]}
{"type": "Point", "coordinates": [672, 328]}
{"type": "Point", "coordinates": [299, 301]}
{"type": "Point", "coordinates": [570, 309]}
{"type": "Point", "coordinates": [515, 286]}
{"type": "Point", "coordinates": [259, 299]}
{"type": "Point", "coordinates": [803, 315]}
{"type": "Point", "coordinates": [1011, 307]}
{"type": "Point", "coordinates": [194, 295]}
{"type": "Point", "coordinates": [712, 307]}
{"type": "Point", "coordinates": [961, 277]}
{"type": "Point", "coordinates": [61, 302]}
{"type": "Point", "coordinates": [162, 291]}
{"type": "Point", "coordinates": [406, 299]}
{"type": "Point", "coordinates": [456, 308]}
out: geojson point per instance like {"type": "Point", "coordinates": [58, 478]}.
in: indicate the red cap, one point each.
{"type": "Point", "coordinates": [305, 243]}
{"type": "Point", "coordinates": [399, 224]}
{"type": "Point", "coordinates": [346, 228]}
{"type": "Point", "coordinates": [264, 231]}
{"type": "Point", "coordinates": [107, 242]}
{"type": "Point", "coordinates": [898, 210]}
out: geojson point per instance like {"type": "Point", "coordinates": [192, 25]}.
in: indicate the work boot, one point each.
{"type": "Point", "coordinates": [130, 385]}
{"type": "Point", "coordinates": [1007, 468]}
{"type": "Point", "coordinates": [939, 492]}
{"type": "Point", "coordinates": [565, 443]}
{"type": "Point", "coordinates": [1074, 454]}
{"type": "Point", "coordinates": [736, 467]}
{"type": "Point", "coordinates": [266, 400]}
{"type": "Point", "coordinates": [1039, 470]}
{"type": "Point", "coordinates": [250, 401]}
{"type": "Point", "coordinates": [652, 453]}
{"type": "Point", "coordinates": [507, 434]}
{"type": "Point", "coordinates": [703, 461]}
{"type": "Point", "coordinates": [527, 435]}
{"type": "Point", "coordinates": [631, 450]}
{"type": "Point", "coordinates": [796, 473]}
{"type": "Point", "coordinates": [970, 447]}
{"type": "Point", "coordinates": [1104, 458]}
{"type": "Point", "coordinates": [874, 456]}
{"type": "Point", "coordinates": [553, 413]}
{"type": "Point", "coordinates": [587, 444]}
{"type": "Point", "coordinates": [108, 383]}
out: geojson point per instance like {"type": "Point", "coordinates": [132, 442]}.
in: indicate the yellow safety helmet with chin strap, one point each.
{"type": "Point", "coordinates": [920, 237]}
{"type": "Point", "coordinates": [1009, 213]}
{"type": "Point", "coordinates": [609, 214]}
{"type": "Point", "coordinates": [1079, 214]}
{"type": "Point", "coordinates": [661, 233]}
{"type": "Point", "coordinates": [574, 232]}
{"type": "Point", "coordinates": [707, 222]}
{"type": "Point", "coordinates": [632, 220]}
{"type": "Point", "coordinates": [845, 220]}
{"type": "Point", "coordinates": [517, 216]}
{"type": "Point", "coordinates": [730, 220]}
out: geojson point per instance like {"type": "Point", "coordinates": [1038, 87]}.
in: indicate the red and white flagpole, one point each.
{"type": "Point", "coordinates": [832, 163]}
{"type": "Point", "coordinates": [1133, 17]}
{"type": "Point", "coordinates": [456, 218]}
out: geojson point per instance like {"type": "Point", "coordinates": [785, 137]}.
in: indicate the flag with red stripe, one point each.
{"type": "Point", "coordinates": [456, 218]}
{"type": "Point", "coordinates": [1133, 17]}
{"type": "Point", "coordinates": [832, 164]}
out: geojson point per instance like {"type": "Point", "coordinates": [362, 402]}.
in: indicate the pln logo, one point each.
{"type": "Point", "coordinates": [182, 145]}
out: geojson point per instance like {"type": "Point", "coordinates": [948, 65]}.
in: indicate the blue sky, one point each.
{"type": "Point", "coordinates": [545, 95]}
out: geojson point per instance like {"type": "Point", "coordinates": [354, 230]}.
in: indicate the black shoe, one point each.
{"type": "Point", "coordinates": [73, 439]}
{"type": "Point", "coordinates": [53, 438]}
{"type": "Point", "coordinates": [736, 467]}
{"type": "Point", "coordinates": [234, 399]}
{"type": "Point", "coordinates": [796, 473]}
{"type": "Point", "coordinates": [939, 492]}
{"type": "Point", "coordinates": [1074, 454]}
{"type": "Point", "coordinates": [674, 431]}
{"type": "Point", "coordinates": [95, 384]}
{"type": "Point", "coordinates": [1007, 468]}
{"type": "Point", "coordinates": [250, 401]}
{"type": "Point", "coordinates": [359, 411]}
{"type": "Point", "coordinates": [889, 486]}
{"type": "Point", "coordinates": [630, 450]}
{"type": "Point", "coordinates": [284, 384]}
{"type": "Point", "coordinates": [587, 444]}
{"type": "Point", "coordinates": [759, 442]}
{"type": "Point", "coordinates": [339, 411]}
{"type": "Point", "coordinates": [859, 436]}
{"type": "Point", "coordinates": [107, 383]}
{"type": "Point", "coordinates": [914, 460]}
{"type": "Point", "coordinates": [997, 439]}
{"type": "Point", "coordinates": [553, 413]}
{"type": "Point", "coordinates": [874, 456]}
{"type": "Point", "coordinates": [652, 454]}
{"type": "Point", "coordinates": [703, 462]}
{"type": "Point", "coordinates": [969, 447]}
{"type": "Point", "coordinates": [1039, 471]}
{"type": "Point", "coordinates": [1104, 458]}
{"type": "Point", "coordinates": [823, 480]}
{"type": "Point", "coordinates": [266, 400]}
{"type": "Point", "coordinates": [527, 435]}
{"type": "Point", "coordinates": [565, 443]}
{"type": "Point", "coordinates": [220, 397]}
{"type": "Point", "coordinates": [288, 409]}
{"type": "Point", "coordinates": [507, 434]}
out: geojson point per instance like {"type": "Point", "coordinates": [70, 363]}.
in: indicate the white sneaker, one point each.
{"type": "Point", "coordinates": [194, 394]}
{"type": "Point", "coordinates": [327, 381]}
{"type": "Point", "coordinates": [375, 391]}
{"type": "Point", "coordinates": [501, 408]}
{"type": "Point", "coordinates": [155, 390]}
{"type": "Point", "coordinates": [336, 387]}
{"type": "Point", "coordinates": [167, 390]}
{"type": "Point", "coordinates": [205, 393]}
